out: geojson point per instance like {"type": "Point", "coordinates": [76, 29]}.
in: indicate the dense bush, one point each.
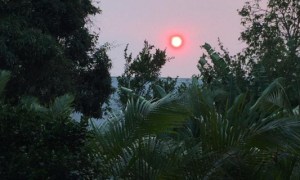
{"type": "Point", "coordinates": [38, 142]}
{"type": "Point", "coordinates": [194, 136]}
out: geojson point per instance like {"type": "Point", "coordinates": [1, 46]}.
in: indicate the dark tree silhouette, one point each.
{"type": "Point", "coordinates": [50, 51]}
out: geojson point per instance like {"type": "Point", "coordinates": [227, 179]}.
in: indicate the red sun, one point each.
{"type": "Point", "coordinates": [176, 41]}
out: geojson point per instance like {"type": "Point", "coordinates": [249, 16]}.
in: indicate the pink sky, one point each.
{"type": "Point", "coordinates": [198, 21]}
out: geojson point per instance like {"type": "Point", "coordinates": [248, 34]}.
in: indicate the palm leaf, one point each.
{"type": "Point", "coordinates": [155, 116]}
{"type": "Point", "coordinates": [273, 96]}
{"type": "Point", "coordinates": [160, 91]}
{"type": "Point", "coordinates": [32, 104]}
{"type": "Point", "coordinates": [62, 106]}
{"type": "Point", "coordinates": [129, 143]}
{"type": "Point", "coordinates": [254, 132]}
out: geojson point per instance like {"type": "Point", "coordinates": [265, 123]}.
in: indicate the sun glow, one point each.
{"type": "Point", "coordinates": [176, 41]}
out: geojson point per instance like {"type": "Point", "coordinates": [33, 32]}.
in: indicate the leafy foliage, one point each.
{"type": "Point", "coordinates": [272, 35]}
{"type": "Point", "coordinates": [50, 51]}
{"type": "Point", "coordinates": [222, 71]}
{"type": "Point", "coordinates": [38, 142]}
{"type": "Point", "coordinates": [187, 136]}
{"type": "Point", "coordinates": [240, 142]}
{"type": "Point", "coordinates": [133, 145]}
{"type": "Point", "coordinates": [142, 73]}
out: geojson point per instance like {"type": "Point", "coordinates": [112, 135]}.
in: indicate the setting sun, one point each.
{"type": "Point", "coordinates": [176, 41]}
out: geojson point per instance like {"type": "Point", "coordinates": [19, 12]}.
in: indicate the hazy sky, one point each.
{"type": "Point", "coordinates": [198, 21]}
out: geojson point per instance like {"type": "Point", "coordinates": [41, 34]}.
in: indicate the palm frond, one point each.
{"type": "Point", "coordinates": [32, 104]}
{"type": "Point", "coordinates": [129, 144]}
{"type": "Point", "coordinates": [273, 96]}
{"type": "Point", "coordinates": [62, 106]}
{"type": "Point", "coordinates": [155, 116]}
{"type": "Point", "coordinates": [160, 91]}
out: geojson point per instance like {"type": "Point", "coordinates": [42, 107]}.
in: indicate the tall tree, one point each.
{"type": "Point", "coordinates": [272, 35]}
{"type": "Point", "coordinates": [142, 73]}
{"type": "Point", "coordinates": [222, 72]}
{"type": "Point", "coordinates": [50, 51]}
